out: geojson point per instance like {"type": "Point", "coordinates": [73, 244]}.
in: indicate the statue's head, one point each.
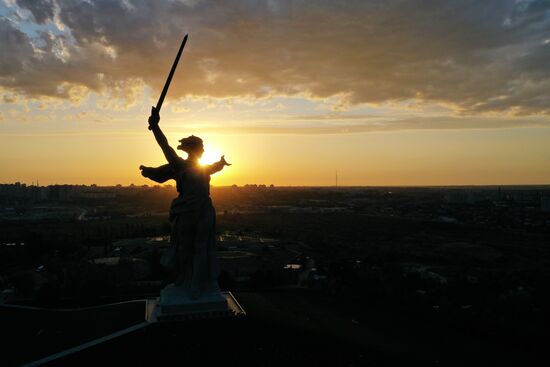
{"type": "Point", "coordinates": [192, 145]}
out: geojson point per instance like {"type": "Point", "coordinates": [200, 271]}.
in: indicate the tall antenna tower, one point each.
{"type": "Point", "coordinates": [336, 178]}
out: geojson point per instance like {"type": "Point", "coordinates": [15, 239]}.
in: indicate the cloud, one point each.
{"type": "Point", "coordinates": [365, 124]}
{"type": "Point", "coordinates": [16, 49]}
{"type": "Point", "coordinates": [41, 10]}
{"type": "Point", "coordinates": [474, 56]}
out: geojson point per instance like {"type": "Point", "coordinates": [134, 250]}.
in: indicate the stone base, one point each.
{"type": "Point", "coordinates": [175, 300]}
{"type": "Point", "coordinates": [173, 305]}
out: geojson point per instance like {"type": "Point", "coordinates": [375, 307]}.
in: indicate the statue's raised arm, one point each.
{"type": "Point", "coordinates": [168, 151]}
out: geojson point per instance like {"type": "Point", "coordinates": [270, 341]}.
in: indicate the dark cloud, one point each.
{"type": "Point", "coordinates": [41, 10]}
{"type": "Point", "coordinates": [478, 56]}
{"type": "Point", "coordinates": [16, 49]}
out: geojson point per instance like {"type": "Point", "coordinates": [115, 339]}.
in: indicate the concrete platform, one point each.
{"type": "Point", "coordinates": [205, 308]}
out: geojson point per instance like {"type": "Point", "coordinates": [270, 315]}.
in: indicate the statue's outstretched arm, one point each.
{"type": "Point", "coordinates": [218, 166]}
{"type": "Point", "coordinates": [158, 174]}
{"type": "Point", "coordinates": [169, 152]}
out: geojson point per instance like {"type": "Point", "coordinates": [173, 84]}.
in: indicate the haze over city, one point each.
{"type": "Point", "coordinates": [384, 92]}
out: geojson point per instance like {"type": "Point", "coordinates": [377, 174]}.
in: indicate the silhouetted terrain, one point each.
{"type": "Point", "coordinates": [413, 272]}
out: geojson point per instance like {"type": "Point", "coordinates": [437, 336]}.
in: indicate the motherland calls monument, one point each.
{"type": "Point", "coordinates": [192, 253]}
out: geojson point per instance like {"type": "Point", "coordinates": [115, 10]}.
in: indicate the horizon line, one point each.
{"type": "Point", "coordinates": [32, 184]}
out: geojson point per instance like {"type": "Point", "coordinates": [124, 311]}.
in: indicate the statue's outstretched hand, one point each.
{"type": "Point", "coordinates": [222, 160]}
{"type": "Point", "coordinates": [141, 168]}
{"type": "Point", "coordinates": [154, 118]}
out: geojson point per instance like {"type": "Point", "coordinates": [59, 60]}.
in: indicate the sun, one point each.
{"type": "Point", "coordinates": [210, 156]}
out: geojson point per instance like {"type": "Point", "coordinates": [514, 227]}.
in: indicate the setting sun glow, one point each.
{"type": "Point", "coordinates": [210, 156]}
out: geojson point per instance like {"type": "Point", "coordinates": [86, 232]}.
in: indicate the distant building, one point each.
{"type": "Point", "coordinates": [98, 195]}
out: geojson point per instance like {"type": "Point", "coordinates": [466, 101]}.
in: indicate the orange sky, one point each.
{"type": "Point", "coordinates": [386, 93]}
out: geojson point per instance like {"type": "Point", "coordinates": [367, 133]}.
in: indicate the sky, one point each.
{"type": "Point", "coordinates": [384, 92]}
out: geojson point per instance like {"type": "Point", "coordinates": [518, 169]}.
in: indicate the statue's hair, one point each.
{"type": "Point", "coordinates": [190, 143]}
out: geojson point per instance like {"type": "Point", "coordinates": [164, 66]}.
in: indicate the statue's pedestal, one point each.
{"type": "Point", "coordinates": [175, 304]}
{"type": "Point", "coordinates": [174, 300]}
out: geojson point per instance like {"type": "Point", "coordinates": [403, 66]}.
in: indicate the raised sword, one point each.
{"type": "Point", "coordinates": [170, 75]}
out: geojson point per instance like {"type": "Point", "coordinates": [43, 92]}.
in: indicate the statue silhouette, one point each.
{"type": "Point", "coordinates": [192, 214]}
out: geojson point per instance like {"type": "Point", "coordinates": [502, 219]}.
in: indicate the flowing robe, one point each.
{"type": "Point", "coordinates": [192, 217]}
